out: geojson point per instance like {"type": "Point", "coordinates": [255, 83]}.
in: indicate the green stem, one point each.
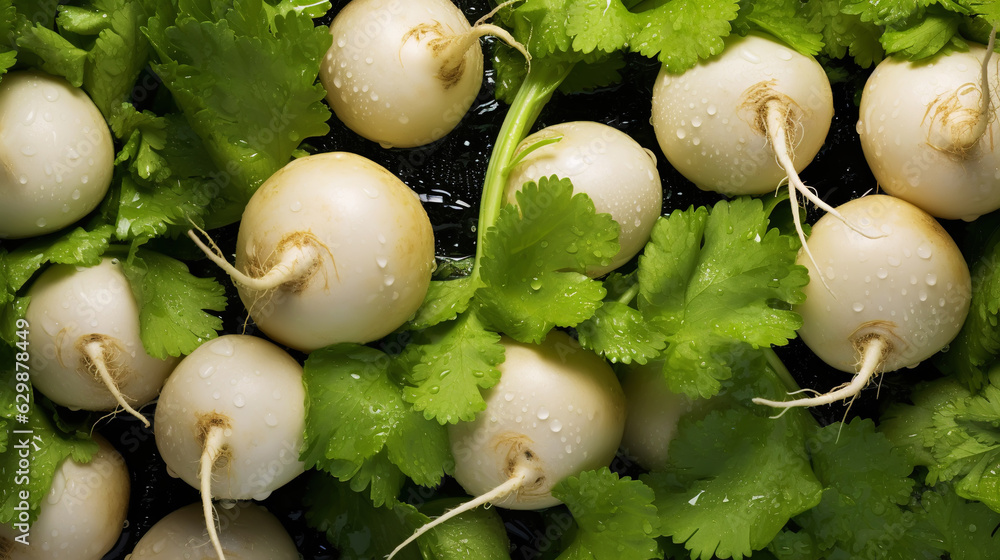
{"type": "Point", "coordinates": [539, 84]}
{"type": "Point", "coordinates": [779, 368]}
{"type": "Point", "coordinates": [629, 294]}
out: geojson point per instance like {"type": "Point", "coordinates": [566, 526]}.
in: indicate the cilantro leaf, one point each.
{"type": "Point", "coordinates": [988, 9]}
{"type": "Point", "coordinates": [458, 359]}
{"type": "Point", "coordinates": [845, 33]}
{"type": "Point", "coordinates": [963, 528]}
{"type": "Point", "coordinates": [854, 520]}
{"type": "Point", "coordinates": [713, 281]}
{"type": "Point", "coordinates": [78, 246]}
{"type": "Point", "coordinates": [978, 342]}
{"type": "Point", "coordinates": [534, 261]}
{"type": "Point", "coordinates": [117, 51]}
{"type": "Point", "coordinates": [785, 19]}
{"type": "Point", "coordinates": [172, 304]}
{"type": "Point", "coordinates": [355, 411]}
{"type": "Point", "coordinates": [735, 476]}
{"type": "Point", "coordinates": [246, 87]}
{"type": "Point", "coordinates": [444, 301]}
{"type": "Point", "coordinates": [681, 32]}
{"type": "Point", "coordinates": [54, 53]}
{"type": "Point", "coordinates": [885, 12]}
{"type": "Point", "coordinates": [619, 333]}
{"type": "Point", "coordinates": [953, 433]}
{"type": "Point", "coordinates": [919, 38]}
{"type": "Point", "coordinates": [361, 530]}
{"type": "Point", "coordinates": [615, 516]}
{"type": "Point", "coordinates": [47, 447]}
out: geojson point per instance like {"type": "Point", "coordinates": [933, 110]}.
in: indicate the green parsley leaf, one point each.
{"type": "Point", "coordinates": [355, 410]}
{"type": "Point", "coordinates": [479, 534]}
{"type": "Point", "coordinates": [534, 261]}
{"type": "Point", "coordinates": [9, 314]}
{"type": "Point", "coordinates": [246, 87]}
{"type": "Point", "coordinates": [785, 19]}
{"type": "Point", "coordinates": [361, 530]}
{"type": "Point", "coordinates": [978, 342]}
{"type": "Point", "coordinates": [172, 304]}
{"type": "Point", "coordinates": [681, 32]}
{"type": "Point", "coordinates": [458, 359]}
{"type": "Point", "coordinates": [735, 476]}
{"type": "Point", "coordinates": [859, 520]}
{"type": "Point", "coordinates": [713, 281]}
{"type": "Point", "coordinates": [619, 333]}
{"type": "Point", "coordinates": [954, 433]}
{"type": "Point", "coordinates": [78, 246]}
{"type": "Point", "coordinates": [47, 448]}
{"type": "Point", "coordinates": [964, 528]}
{"type": "Point", "coordinates": [117, 51]}
{"type": "Point", "coordinates": [988, 9]}
{"type": "Point", "coordinates": [55, 54]}
{"type": "Point", "coordinates": [444, 301]}
{"type": "Point", "coordinates": [845, 33]}
{"type": "Point", "coordinates": [884, 12]}
{"type": "Point", "coordinates": [615, 516]}
{"type": "Point", "coordinates": [919, 38]}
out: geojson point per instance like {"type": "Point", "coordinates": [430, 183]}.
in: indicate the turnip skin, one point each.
{"type": "Point", "coordinates": [428, 89]}
{"type": "Point", "coordinates": [362, 245]}
{"type": "Point", "coordinates": [557, 410]}
{"type": "Point", "coordinates": [56, 151]}
{"type": "Point", "coordinates": [617, 173]}
{"type": "Point", "coordinates": [706, 119]}
{"type": "Point", "coordinates": [82, 516]}
{"type": "Point", "coordinates": [910, 150]}
{"type": "Point", "coordinates": [912, 284]}
{"type": "Point", "coordinates": [653, 414]}
{"type": "Point", "coordinates": [70, 306]}
{"type": "Point", "coordinates": [257, 388]}
{"type": "Point", "coordinates": [249, 532]}
{"type": "Point", "coordinates": [890, 302]}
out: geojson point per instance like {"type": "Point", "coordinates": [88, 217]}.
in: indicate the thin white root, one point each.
{"type": "Point", "coordinates": [95, 355]}
{"type": "Point", "coordinates": [296, 262]}
{"type": "Point", "coordinates": [458, 45]}
{"type": "Point", "coordinates": [214, 446]}
{"type": "Point", "coordinates": [872, 357]}
{"type": "Point", "coordinates": [497, 493]}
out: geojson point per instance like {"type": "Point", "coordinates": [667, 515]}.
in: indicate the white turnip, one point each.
{"type": "Point", "coordinates": [653, 413]}
{"type": "Point", "coordinates": [607, 165]}
{"type": "Point", "coordinates": [404, 73]}
{"type": "Point", "coordinates": [929, 133]}
{"type": "Point", "coordinates": [332, 248]}
{"type": "Point", "coordinates": [56, 152]}
{"type": "Point", "coordinates": [83, 513]}
{"type": "Point", "coordinates": [230, 420]}
{"type": "Point", "coordinates": [896, 295]}
{"type": "Point", "coordinates": [87, 351]}
{"type": "Point", "coordinates": [745, 120]}
{"type": "Point", "coordinates": [249, 532]}
{"type": "Point", "coordinates": [558, 410]}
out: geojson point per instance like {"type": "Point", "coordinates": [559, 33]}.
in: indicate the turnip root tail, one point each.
{"type": "Point", "coordinates": [777, 122]}
{"type": "Point", "coordinates": [500, 492]}
{"type": "Point", "coordinates": [873, 350]}
{"type": "Point", "coordinates": [452, 48]}
{"type": "Point", "coordinates": [298, 262]}
{"type": "Point", "coordinates": [213, 449]}
{"type": "Point", "coordinates": [96, 351]}
{"type": "Point", "coordinates": [965, 126]}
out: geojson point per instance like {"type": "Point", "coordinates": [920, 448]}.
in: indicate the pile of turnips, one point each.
{"type": "Point", "coordinates": [333, 248]}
